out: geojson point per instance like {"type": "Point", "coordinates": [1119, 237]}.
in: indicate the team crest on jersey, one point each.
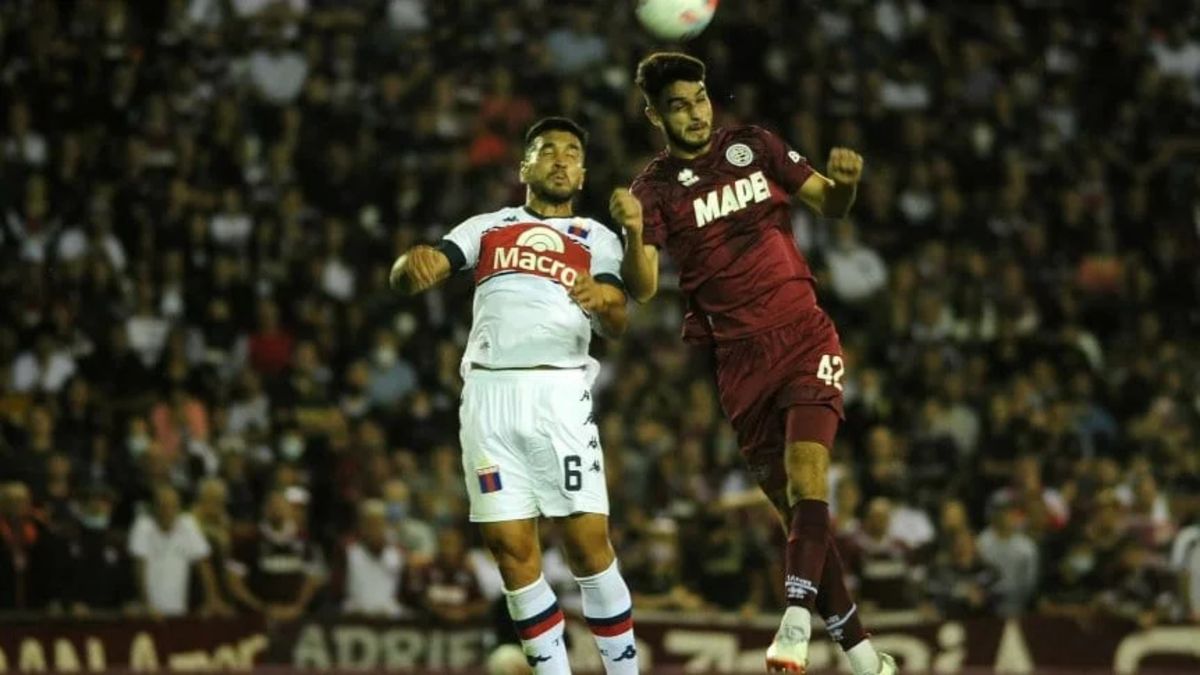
{"type": "Point", "coordinates": [795, 157]}
{"type": "Point", "coordinates": [579, 228]}
{"type": "Point", "coordinates": [534, 249]}
{"type": "Point", "coordinates": [739, 154]}
{"type": "Point", "coordinates": [688, 178]}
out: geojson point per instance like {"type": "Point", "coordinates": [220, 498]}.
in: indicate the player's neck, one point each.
{"type": "Point", "coordinates": [544, 209]}
{"type": "Point", "coordinates": [687, 154]}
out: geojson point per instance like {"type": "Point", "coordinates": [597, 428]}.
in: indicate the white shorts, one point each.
{"type": "Point", "coordinates": [530, 445]}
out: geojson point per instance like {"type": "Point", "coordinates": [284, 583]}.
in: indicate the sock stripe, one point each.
{"type": "Point", "coordinates": [613, 625]}
{"type": "Point", "coordinates": [838, 622]}
{"type": "Point", "coordinates": [538, 624]}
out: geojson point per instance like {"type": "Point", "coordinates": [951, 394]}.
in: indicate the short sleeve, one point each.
{"type": "Point", "coordinates": [784, 165]}
{"type": "Point", "coordinates": [466, 237]}
{"type": "Point", "coordinates": [195, 545]}
{"type": "Point", "coordinates": [654, 229]}
{"type": "Point", "coordinates": [606, 253]}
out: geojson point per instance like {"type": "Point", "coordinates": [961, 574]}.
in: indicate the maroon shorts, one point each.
{"type": "Point", "coordinates": [782, 386]}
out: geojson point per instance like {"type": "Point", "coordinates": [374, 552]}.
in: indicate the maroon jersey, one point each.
{"type": "Point", "coordinates": [724, 218]}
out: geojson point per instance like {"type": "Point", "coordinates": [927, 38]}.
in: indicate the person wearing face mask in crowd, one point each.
{"type": "Point", "coordinates": [413, 534]}
{"type": "Point", "coordinates": [98, 572]}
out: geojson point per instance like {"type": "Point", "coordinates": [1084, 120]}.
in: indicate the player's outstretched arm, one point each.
{"type": "Point", "coordinates": [833, 195]}
{"type": "Point", "coordinates": [639, 268]}
{"type": "Point", "coordinates": [420, 269]}
{"type": "Point", "coordinates": [604, 301]}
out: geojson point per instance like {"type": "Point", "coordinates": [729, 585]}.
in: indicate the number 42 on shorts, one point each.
{"type": "Point", "coordinates": [831, 369]}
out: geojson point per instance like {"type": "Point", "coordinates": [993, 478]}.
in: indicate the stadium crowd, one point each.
{"type": "Point", "coordinates": [211, 402]}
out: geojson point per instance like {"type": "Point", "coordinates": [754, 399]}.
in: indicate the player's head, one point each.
{"type": "Point", "coordinates": [676, 98]}
{"type": "Point", "coordinates": [553, 164]}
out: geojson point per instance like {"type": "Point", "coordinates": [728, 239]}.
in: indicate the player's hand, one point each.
{"type": "Point", "coordinates": [626, 210]}
{"type": "Point", "coordinates": [588, 293]}
{"type": "Point", "coordinates": [416, 270]}
{"type": "Point", "coordinates": [845, 165]}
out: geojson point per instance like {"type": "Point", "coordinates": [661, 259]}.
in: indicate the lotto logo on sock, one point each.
{"type": "Point", "coordinates": [797, 589]}
{"type": "Point", "coordinates": [489, 479]}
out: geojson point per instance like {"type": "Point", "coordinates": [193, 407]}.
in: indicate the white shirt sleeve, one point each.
{"type": "Point", "coordinates": [467, 236]}
{"type": "Point", "coordinates": [607, 252]}
{"type": "Point", "coordinates": [195, 546]}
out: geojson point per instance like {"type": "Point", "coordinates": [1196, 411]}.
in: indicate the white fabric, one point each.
{"type": "Point", "coordinates": [28, 374]}
{"type": "Point", "coordinates": [856, 274]}
{"type": "Point", "coordinates": [373, 582]}
{"type": "Point", "coordinates": [279, 78]}
{"type": "Point", "coordinates": [168, 558]}
{"type": "Point", "coordinates": [535, 430]}
{"type": "Point", "coordinates": [526, 317]}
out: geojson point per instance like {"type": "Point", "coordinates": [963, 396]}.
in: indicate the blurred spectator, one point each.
{"type": "Point", "coordinates": [1185, 560]}
{"type": "Point", "coordinates": [857, 272]}
{"type": "Point", "coordinates": [166, 545]}
{"type": "Point", "coordinates": [961, 585]}
{"type": "Point", "coordinates": [447, 590]}
{"type": "Point", "coordinates": [656, 570]}
{"type": "Point", "coordinates": [373, 566]}
{"type": "Point", "coordinates": [29, 553]}
{"type": "Point", "coordinates": [1014, 555]}
{"type": "Point", "coordinates": [882, 565]}
{"type": "Point", "coordinates": [414, 535]}
{"type": "Point", "coordinates": [98, 570]}
{"type": "Point", "coordinates": [729, 564]}
{"type": "Point", "coordinates": [277, 570]}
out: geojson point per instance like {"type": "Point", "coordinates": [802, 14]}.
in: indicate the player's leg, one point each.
{"type": "Point", "coordinates": [495, 420]}
{"type": "Point", "coordinates": [815, 573]}
{"type": "Point", "coordinates": [578, 494]}
{"type": "Point", "coordinates": [607, 604]}
{"type": "Point", "coordinates": [532, 604]}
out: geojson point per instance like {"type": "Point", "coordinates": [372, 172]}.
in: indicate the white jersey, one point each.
{"type": "Point", "coordinates": [524, 266]}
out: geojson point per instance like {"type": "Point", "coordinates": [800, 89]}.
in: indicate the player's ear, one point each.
{"type": "Point", "coordinates": [653, 116]}
{"type": "Point", "coordinates": [524, 172]}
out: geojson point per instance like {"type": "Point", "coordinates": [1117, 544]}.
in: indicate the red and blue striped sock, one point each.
{"type": "Point", "coordinates": [608, 608]}
{"type": "Point", "coordinates": [539, 621]}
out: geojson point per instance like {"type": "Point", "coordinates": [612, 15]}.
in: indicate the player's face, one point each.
{"type": "Point", "coordinates": [553, 166]}
{"type": "Point", "coordinates": [685, 115]}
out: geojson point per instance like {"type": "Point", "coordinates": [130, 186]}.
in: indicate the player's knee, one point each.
{"type": "Point", "coordinates": [518, 558]}
{"type": "Point", "coordinates": [587, 547]}
{"type": "Point", "coordinates": [807, 467]}
{"type": "Point", "coordinates": [590, 558]}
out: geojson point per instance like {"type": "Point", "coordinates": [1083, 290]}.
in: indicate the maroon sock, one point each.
{"type": "Point", "coordinates": [807, 543]}
{"type": "Point", "coordinates": [834, 603]}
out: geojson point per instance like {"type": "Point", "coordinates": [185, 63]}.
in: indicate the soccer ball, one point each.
{"type": "Point", "coordinates": [676, 19]}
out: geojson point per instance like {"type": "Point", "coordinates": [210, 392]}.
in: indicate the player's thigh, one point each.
{"type": "Point", "coordinates": [571, 476]}
{"type": "Point", "coordinates": [495, 422]}
{"type": "Point", "coordinates": [586, 543]}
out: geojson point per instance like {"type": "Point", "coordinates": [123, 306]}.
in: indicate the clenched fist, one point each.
{"type": "Point", "coordinates": [417, 270]}
{"type": "Point", "coordinates": [626, 210]}
{"type": "Point", "coordinates": [845, 165]}
{"type": "Point", "coordinates": [588, 293]}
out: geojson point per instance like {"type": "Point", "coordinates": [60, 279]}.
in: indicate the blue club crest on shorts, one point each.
{"type": "Point", "coordinates": [489, 479]}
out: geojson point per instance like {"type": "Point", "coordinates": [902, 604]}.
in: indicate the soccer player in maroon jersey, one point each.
{"type": "Point", "coordinates": [719, 201]}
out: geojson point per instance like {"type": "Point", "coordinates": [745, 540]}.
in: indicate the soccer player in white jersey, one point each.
{"type": "Point", "coordinates": [544, 279]}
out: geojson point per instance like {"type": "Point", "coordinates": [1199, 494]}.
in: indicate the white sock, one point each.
{"type": "Point", "coordinates": [534, 610]}
{"type": "Point", "coordinates": [864, 660]}
{"type": "Point", "coordinates": [608, 609]}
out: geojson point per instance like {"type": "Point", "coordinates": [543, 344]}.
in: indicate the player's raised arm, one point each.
{"type": "Point", "coordinates": [420, 269]}
{"type": "Point", "coordinates": [640, 266]}
{"type": "Point", "coordinates": [833, 195]}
